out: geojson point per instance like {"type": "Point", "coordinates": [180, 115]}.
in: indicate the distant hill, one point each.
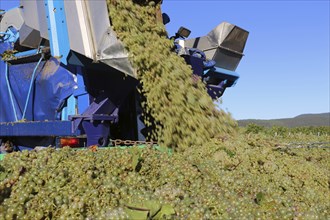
{"type": "Point", "coordinates": [322, 119]}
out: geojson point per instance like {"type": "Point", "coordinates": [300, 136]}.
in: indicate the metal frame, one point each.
{"type": "Point", "coordinates": [98, 43]}
{"type": "Point", "coordinates": [43, 128]}
{"type": "Point", "coordinates": [59, 38]}
{"type": "Point", "coordinates": [59, 49]}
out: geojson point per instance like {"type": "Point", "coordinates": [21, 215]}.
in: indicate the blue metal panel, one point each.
{"type": "Point", "coordinates": [217, 72]}
{"type": "Point", "coordinates": [5, 46]}
{"type": "Point", "coordinates": [52, 85]}
{"type": "Point", "coordinates": [57, 29]}
{"type": "Point", "coordinates": [226, 72]}
{"type": "Point", "coordinates": [40, 128]}
{"type": "Point", "coordinates": [59, 42]}
{"type": "Point", "coordinates": [81, 93]}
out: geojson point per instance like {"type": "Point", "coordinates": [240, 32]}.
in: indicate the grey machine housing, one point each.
{"type": "Point", "coordinates": [224, 44]}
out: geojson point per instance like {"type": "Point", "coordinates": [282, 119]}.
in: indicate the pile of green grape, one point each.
{"type": "Point", "coordinates": [8, 55]}
{"type": "Point", "coordinates": [182, 110]}
{"type": "Point", "coordinates": [244, 177]}
{"type": "Point", "coordinates": [213, 171]}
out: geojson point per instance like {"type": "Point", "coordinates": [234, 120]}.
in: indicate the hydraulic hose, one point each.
{"type": "Point", "coordinates": [31, 84]}
{"type": "Point", "coordinates": [2, 36]}
{"type": "Point", "coordinates": [10, 91]}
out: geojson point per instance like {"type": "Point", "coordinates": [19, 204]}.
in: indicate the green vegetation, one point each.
{"type": "Point", "coordinates": [287, 132]}
{"type": "Point", "coordinates": [216, 171]}
{"type": "Point", "coordinates": [8, 55]}
{"type": "Point", "coordinates": [249, 176]}
{"type": "Point", "coordinates": [304, 120]}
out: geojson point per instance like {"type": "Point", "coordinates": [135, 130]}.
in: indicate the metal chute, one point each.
{"type": "Point", "coordinates": [224, 44]}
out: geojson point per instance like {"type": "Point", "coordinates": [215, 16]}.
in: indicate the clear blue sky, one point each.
{"type": "Point", "coordinates": [285, 71]}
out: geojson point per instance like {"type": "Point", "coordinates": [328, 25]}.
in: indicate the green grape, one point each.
{"type": "Point", "coordinates": [215, 172]}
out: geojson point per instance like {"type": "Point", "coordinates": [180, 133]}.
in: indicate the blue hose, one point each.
{"type": "Point", "coordinates": [31, 84]}
{"type": "Point", "coordinates": [5, 36]}
{"type": "Point", "coordinates": [10, 92]}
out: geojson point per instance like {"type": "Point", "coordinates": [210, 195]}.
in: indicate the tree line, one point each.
{"type": "Point", "coordinates": [285, 131]}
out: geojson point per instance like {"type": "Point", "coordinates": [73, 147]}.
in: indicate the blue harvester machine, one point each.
{"type": "Point", "coordinates": [65, 78]}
